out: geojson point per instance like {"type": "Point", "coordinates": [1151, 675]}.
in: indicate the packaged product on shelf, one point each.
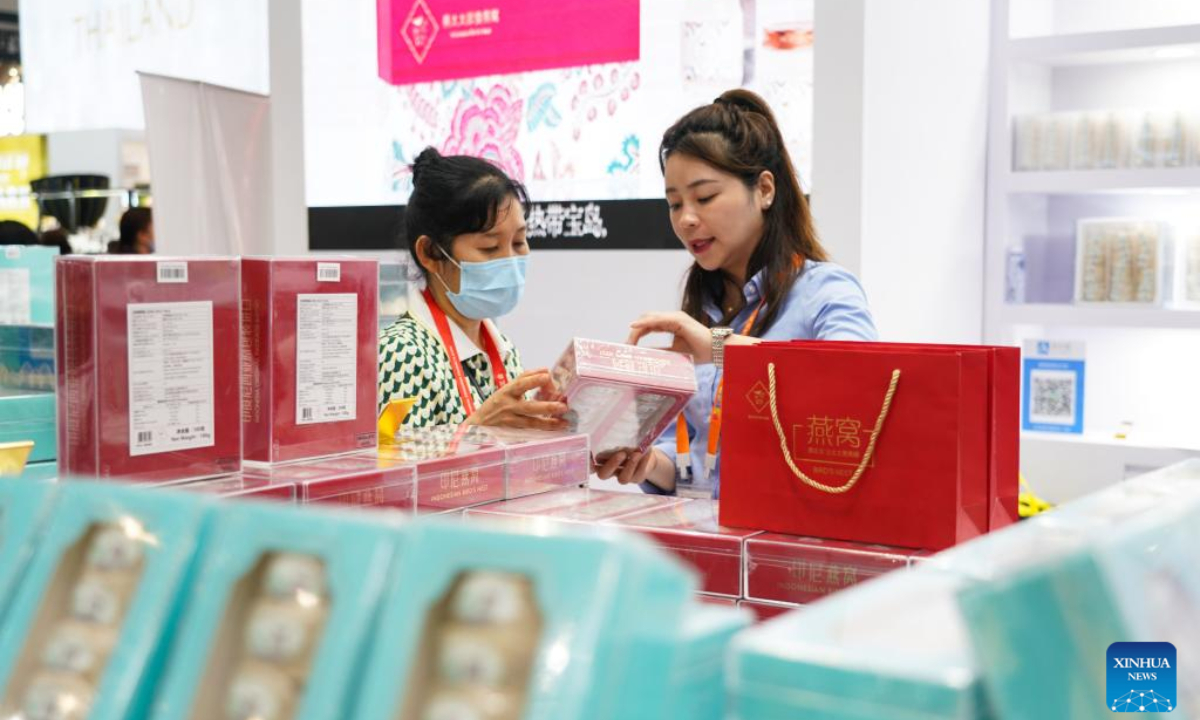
{"type": "Point", "coordinates": [788, 569]}
{"type": "Point", "coordinates": [27, 285]}
{"type": "Point", "coordinates": [892, 648]}
{"type": "Point", "coordinates": [1061, 588]}
{"type": "Point", "coordinates": [24, 507]}
{"type": "Point", "coordinates": [1191, 264]}
{"type": "Point", "coordinates": [578, 505]}
{"type": "Point", "coordinates": [149, 367]}
{"type": "Point", "coordinates": [310, 341]}
{"type": "Point", "coordinates": [285, 617]}
{"type": "Point", "coordinates": [86, 630]}
{"type": "Point", "coordinates": [1120, 260]}
{"type": "Point", "coordinates": [538, 461]}
{"type": "Point", "coordinates": [696, 685]}
{"type": "Point", "coordinates": [1112, 133]}
{"type": "Point", "coordinates": [1057, 132]}
{"type": "Point", "coordinates": [764, 610]}
{"type": "Point", "coordinates": [621, 396]}
{"type": "Point", "coordinates": [345, 480]}
{"type": "Point", "coordinates": [484, 623]}
{"type": "Point", "coordinates": [29, 415]}
{"type": "Point", "coordinates": [27, 357]}
{"type": "Point", "coordinates": [1027, 143]}
{"type": "Point", "coordinates": [690, 530]}
{"type": "Point", "coordinates": [1160, 139]}
{"type": "Point", "coordinates": [244, 486]}
{"type": "Point", "coordinates": [455, 466]}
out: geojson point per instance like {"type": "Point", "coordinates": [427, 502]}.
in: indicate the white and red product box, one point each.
{"type": "Point", "coordinates": [148, 367]}
{"type": "Point", "coordinates": [764, 611]}
{"type": "Point", "coordinates": [244, 487]}
{"type": "Point", "coordinates": [539, 461]}
{"type": "Point", "coordinates": [622, 396]}
{"type": "Point", "coordinates": [345, 480]}
{"type": "Point", "coordinates": [785, 568]}
{"type": "Point", "coordinates": [311, 356]}
{"type": "Point", "coordinates": [456, 466]}
{"type": "Point", "coordinates": [576, 505]}
{"type": "Point", "coordinates": [690, 530]}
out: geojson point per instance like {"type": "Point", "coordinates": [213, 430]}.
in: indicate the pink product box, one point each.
{"type": "Point", "coordinates": [456, 466]}
{"type": "Point", "coordinates": [538, 461]}
{"type": "Point", "coordinates": [764, 611]}
{"type": "Point", "coordinates": [345, 481]}
{"type": "Point", "coordinates": [148, 366]}
{"type": "Point", "coordinates": [244, 486]}
{"type": "Point", "coordinates": [310, 365]}
{"type": "Point", "coordinates": [690, 530]}
{"type": "Point", "coordinates": [579, 505]}
{"type": "Point", "coordinates": [785, 568]}
{"type": "Point", "coordinates": [621, 396]}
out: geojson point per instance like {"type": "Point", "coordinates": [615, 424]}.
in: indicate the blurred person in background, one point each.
{"type": "Point", "coordinates": [57, 238]}
{"type": "Point", "coordinates": [16, 233]}
{"type": "Point", "coordinates": [137, 233]}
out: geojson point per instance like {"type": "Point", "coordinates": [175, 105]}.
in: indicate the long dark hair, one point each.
{"type": "Point", "coordinates": [737, 134]}
{"type": "Point", "coordinates": [455, 195]}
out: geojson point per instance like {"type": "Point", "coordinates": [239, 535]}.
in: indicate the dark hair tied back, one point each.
{"type": "Point", "coordinates": [738, 134]}
{"type": "Point", "coordinates": [456, 195]}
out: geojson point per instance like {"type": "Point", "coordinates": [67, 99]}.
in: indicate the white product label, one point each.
{"type": "Point", "coordinates": [172, 272]}
{"type": "Point", "coordinates": [326, 357]}
{"type": "Point", "coordinates": [170, 376]}
{"type": "Point", "coordinates": [329, 272]}
{"type": "Point", "coordinates": [16, 304]}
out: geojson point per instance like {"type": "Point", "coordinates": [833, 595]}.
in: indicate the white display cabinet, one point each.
{"type": "Point", "coordinates": [1094, 114]}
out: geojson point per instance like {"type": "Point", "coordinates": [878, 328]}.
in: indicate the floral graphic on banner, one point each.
{"type": "Point", "coordinates": [486, 125]}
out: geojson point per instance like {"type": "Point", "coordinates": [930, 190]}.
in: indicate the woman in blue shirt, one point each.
{"type": "Point", "coordinates": [760, 273]}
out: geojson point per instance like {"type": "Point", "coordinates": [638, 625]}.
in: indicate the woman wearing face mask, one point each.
{"type": "Point", "coordinates": [466, 228]}
{"type": "Point", "coordinates": [760, 272]}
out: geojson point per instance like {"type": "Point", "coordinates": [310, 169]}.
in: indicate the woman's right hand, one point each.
{"type": "Point", "coordinates": [507, 407]}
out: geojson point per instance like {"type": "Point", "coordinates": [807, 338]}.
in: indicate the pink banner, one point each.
{"type": "Point", "coordinates": [428, 40]}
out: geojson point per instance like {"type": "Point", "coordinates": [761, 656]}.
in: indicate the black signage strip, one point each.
{"type": "Point", "coordinates": [560, 225]}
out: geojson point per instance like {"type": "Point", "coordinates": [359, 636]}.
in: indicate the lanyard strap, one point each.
{"type": "Point", "coordinates": [499, 374]}
{"type": "Point", "coordinates": [682, 444]}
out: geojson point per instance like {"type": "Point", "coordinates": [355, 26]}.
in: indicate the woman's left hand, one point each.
{"type": "Point", "coordinates": [690, 336]}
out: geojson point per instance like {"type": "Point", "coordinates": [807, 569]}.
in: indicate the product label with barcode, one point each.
{"type": "Point", "coordinates": [329, 272]}
{"type": "Point", "coordinates": [16, 302]}
{"type": "Point", "coordinates": [172, 272]}
{"type": "Point", "coordinates": [326, 357]}
{"type": "Point", "coordinates": [170, 376]}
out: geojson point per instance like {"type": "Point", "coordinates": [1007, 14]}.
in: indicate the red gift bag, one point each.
{"type": "Point", "coordinates": [864, 444]}
{"type": "Point", "coordinates": [1004, 421]}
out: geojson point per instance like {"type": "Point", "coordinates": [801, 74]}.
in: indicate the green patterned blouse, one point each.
{"type": "Point", "coordinates": [414, 363]}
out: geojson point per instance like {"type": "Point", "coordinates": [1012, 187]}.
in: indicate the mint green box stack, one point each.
{"type": "Point", "coordinates": [1116, 566]}
{"type": "Point", "coordinates": [894, 648]}
{"type": "Point", "coordinates": [562, 623]}
{"type": "Point", "coordinates": [26, 415]}
{"type": "Point", "coordinates": [27, 285]}
{"type": "Point", "coordinates": [24, 508]}
{"type": "Point", "coordinates": [285, 602]}
{"type": "Point", "coordinates": [697, 684]}
{"type": "Point", "coordinates": [27, 348]}
{"type": "Point", "coordinates": [86, 630]}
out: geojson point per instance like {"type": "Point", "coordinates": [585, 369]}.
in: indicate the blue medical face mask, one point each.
{"type": "Point", "coordinates": [488, 289]}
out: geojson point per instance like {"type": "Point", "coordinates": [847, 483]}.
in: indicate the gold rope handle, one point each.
{"type": "Point", "coordinates": [862, 465]}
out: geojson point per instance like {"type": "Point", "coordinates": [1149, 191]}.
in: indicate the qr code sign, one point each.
{"type": "Point", "coordinates": [1052, 397]}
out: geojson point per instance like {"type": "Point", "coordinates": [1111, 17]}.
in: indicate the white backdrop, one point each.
{"type": "Point", "coordinates": [80, 57]}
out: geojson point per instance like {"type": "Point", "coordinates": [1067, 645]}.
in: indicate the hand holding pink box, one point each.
{"type": "Point", "coordinates": [622, 396]}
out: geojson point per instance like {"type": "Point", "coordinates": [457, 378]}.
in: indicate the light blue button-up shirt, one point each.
{"type": "Point", "coordinates": [825, 303]}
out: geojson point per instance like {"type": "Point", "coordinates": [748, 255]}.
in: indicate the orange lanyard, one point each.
{"type": "Point", "coordinates": [499, 374]}
{"type": "Point", "coordinates": [683, 446]}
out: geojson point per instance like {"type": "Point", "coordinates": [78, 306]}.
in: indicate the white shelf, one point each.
{"type": "Point", "coordinates": [1116, 46]}
{"type": "Point", "coordinates": [1079, 182]}
{"type": "Point", "coordinates": [1165, 444]}
{"type": "Point", "coordinates": [1063, 315]}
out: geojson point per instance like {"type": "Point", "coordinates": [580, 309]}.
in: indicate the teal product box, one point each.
{"type": "Point", "coordinates": [27, 285]}
{"type": "Point", "coordinates": [27, 357]}
{"type": "Point", "coordinates": [697, 684]}
{"type": "Point", "coordinates": [289, 599]}
{"type": "Point", "coordinates": [26, 415]}
{"type": "Point", "coordinates": [86, 631]}
{"type": "Point", "coordinates": [24, 507]}
{"type": "Point", "coordinates": [1059, 590]}
{"type": "Point", "coordinates": [894, 647]}
{"type": "Point", "coordinates": [491, 622]}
